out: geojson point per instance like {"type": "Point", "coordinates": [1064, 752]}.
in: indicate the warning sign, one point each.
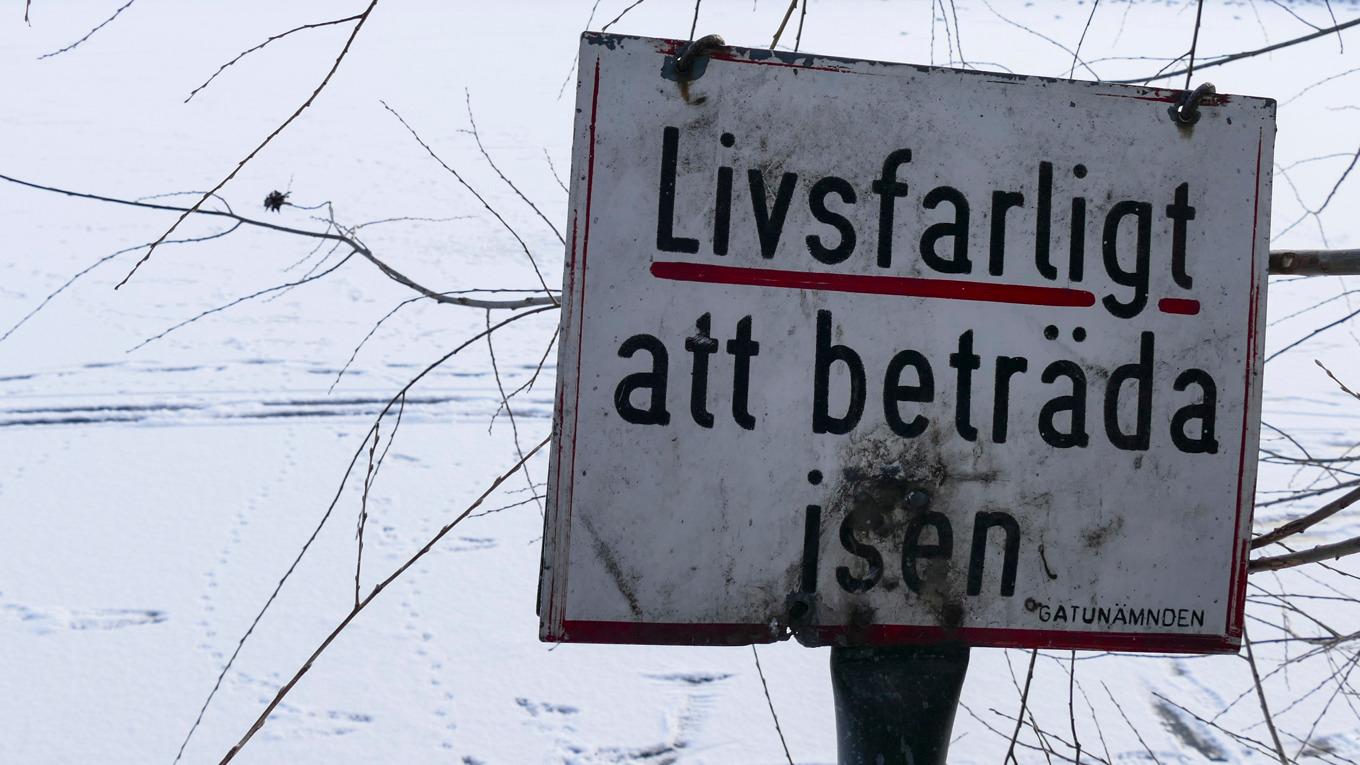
{"type": "Point", "coordinates": [870, 353]}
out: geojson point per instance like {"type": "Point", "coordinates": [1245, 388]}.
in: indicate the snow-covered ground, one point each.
{"type": "Point", "coordinates": [150, 499]}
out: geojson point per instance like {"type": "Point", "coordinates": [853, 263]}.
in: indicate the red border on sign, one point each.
{"type": "Point", "coordinates": [1237, 587]}
{"type": "Point", "coordinates": [668, 633]}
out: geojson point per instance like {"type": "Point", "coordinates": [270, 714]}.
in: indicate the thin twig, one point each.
{"type": "Point", "coordinates": [307, 665]}
{"type": "Point", "coordinates": [1228, 59]}
{"type": "Point", "coordinates": [619, 17]}
{"type": "Point", "coordinates": [238, 301]}
{"type": "Point", "coordinates": [958, 30]}
{"type": "Point", "coordinates": [1040, 35]}
{"type": "Point", "coordinates": [467, 95]}
{"type": "Point", "coordinates": [529, 384]}
{"type": "Point", "coordinates": [1024, 704]}
{"type": "Point", "coordinates": [88, 34]}
{"type": "Point", "coordinates": [553, 170]}
{"type": "Point", "coordinates": [787, 15]}
{"type": "Point", "coordinates": [770, 703]}
{"type": "Point", "coordinates": [1138, 735]}
{"type": "Point", "coordinates": [1259, 746]}
{"type": "Point", "coordinates": [1194, 43]}
{"type": "Point", "coordinates": [505, 401]}
{"type": "Point", "coordinates": [363, 513]}
{"type": "Point", "coordinates": [1300, 524]}
{"type": "Point", "coordinates": [248, 51]}
{"type": "Point", "coordinates": [474, 192]}
{"type": "Point", "coordinates": [330, 509]}
{"type": "Point", "coordinates": [1072, 69]}
{"type": "Point", "coordinates": [75, 277]}
{"type": "Point", "coordinates": [1340, 43]}
{"type": "Point", "coordinates": [363, 17]}
{"type": "Point", "coordinates": [1071, 701]}
{"type": "Point", "coordinates": [334, 236]}
{"type": "Point", "coordinates": [1261, 695]}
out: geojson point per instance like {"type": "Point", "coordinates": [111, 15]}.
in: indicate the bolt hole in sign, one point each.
{"type": "Point", "coordinates": [871, 354]}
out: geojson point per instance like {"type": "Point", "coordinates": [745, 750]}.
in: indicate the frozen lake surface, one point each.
{"type": "Point", "coordinates": [150, 499]}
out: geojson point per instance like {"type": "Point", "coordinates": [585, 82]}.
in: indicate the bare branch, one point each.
{"type": "Point", "coordinates": [373, 468]}
{"type": "Point", "coordinates": [1072, 69]}
{"type": "Point", "coordinates": [1300, 524]}
{"type": "Point", "coordinates": [88, 34]}
{"type": "Point", "coordinates": [770, 703]}
{"type": "Point", "coordinates": [505, 402]}
{"type": "Point", "coordinates": [1261, 695]}
{"type": "Point", "coordinates": [1024, 703]}
{"type": "Point", "coordinates": [1320, 553]}
{"type": "Point", "coordinates": [553, 169]}
{"type": "Point", "coordinates": [240, 300]}
{"type": "Point", "coordinates": [356, 245]}
{"type": "Point", "coordinates": [1133, 728]}
{"type": "Point", "coordinates": [529, 384]}
{"type": "Point", "coordinates": [307, 665]}
{"type": "Point", "coordinates": [617, 18]}
{"type": "Point", "coordinates": [1071, 698]}
{"type": "Point", "coordinates": [1228, 59]}
{"type": "Point", "coordinates": [1259, 746]}
{"type": "Point", "coordinates": [467, 95]}
{"type": "Point", "coordinates": [1194, 43]}
{"type": "Point", "coordinates": [363, 17]}
{"type": "Point", "coordinates": [1042, 36]}
{"type": "Point", "coordinates": [480, 198]}
{"type": "Point", "coordinates": [76, 276]}
{"type": "Point", "coordinates": [787, 15]}
{"type": "Point", "coordinates": [248, 51]}
{"type": "Point", "coordinates": [330, 509]}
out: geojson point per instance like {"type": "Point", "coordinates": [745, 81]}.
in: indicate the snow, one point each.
{"type": "Point", "coordinates": [150, 500]}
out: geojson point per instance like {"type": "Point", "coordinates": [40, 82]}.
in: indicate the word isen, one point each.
{"type": "Point", "coordinates": [943, 245]}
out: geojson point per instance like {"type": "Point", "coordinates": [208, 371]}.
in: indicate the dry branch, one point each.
{"type": "Point", "coordinates": [467, 95]}
{"type": "Point", "coordinates": [271, 39]}
{"type": "Point", "coordinates": [352, 242]}
{"type": "Point", "coordinates": [480, 198]}
{"type": "Point", "coordinates": [1244, 54]}
{"type": "Point", "coordinates": [363, 17]}
{"type": "Point", "coordinates": [1261, 696]}
{"type": "Point", "coordinates": [770, 703]}
{"type": "Point", "coordinates": [1300, 524]}
{"type": "Point", "coordinates": [361, 605]}
{"type": "Point", "coordinates": [87, 35]}
{"type": "Point", "coordinates": [1320, 553]}
{"type": "Point", "coordinates": [1024, 704]}
{"type": "Point", "coordinates": [330, 509]}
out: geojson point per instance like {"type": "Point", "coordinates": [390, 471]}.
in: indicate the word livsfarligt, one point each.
{"type": "Point", "coordinates": [944, 245]}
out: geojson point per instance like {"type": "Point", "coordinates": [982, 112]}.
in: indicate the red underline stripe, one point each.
{"type": "Point", "coordinates": [904, 286]}
{"type": "Point", "coordinates": [1181, 306]}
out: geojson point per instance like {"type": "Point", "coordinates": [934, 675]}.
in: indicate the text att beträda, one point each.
{"type": "Point", "coordinates": [908, 385]}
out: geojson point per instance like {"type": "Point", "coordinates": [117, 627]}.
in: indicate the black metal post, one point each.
{"type": "Point", "coordinates": [895, 706]}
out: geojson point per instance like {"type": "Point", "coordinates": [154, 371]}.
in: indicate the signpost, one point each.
{"type": "Point", "coordinates": [881, 355]}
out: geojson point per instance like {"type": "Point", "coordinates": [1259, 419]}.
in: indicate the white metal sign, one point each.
{"type": "Point", "coordinates": [872, 353]}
